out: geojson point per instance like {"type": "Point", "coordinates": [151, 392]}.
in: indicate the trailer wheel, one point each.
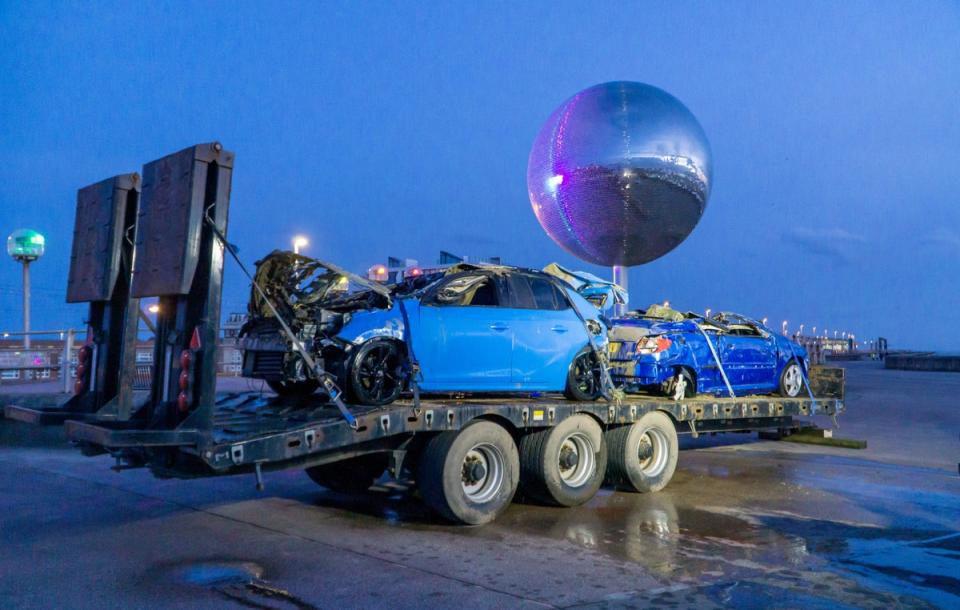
{"type": "Point", "coordinates": [469, 476]}
{"type": "Point", "coordinates": [352, 475]}
{"type": "Point", "coordinates": [564, 465]}
{"type": "Point", "coordinates": [643, 455]}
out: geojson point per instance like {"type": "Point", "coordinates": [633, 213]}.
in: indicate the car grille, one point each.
{"type": "Point", "coordinates": [268, 363]}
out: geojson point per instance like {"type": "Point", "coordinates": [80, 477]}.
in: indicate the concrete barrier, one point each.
{"type": "Point", "coordinates": [923, 362]}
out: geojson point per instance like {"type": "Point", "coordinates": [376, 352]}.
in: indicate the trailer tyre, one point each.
{"type": "Point", "coordinates": [350, 476]}
{"type": "Point", "coordinates": [564, 465]}
{"type": "Point", "coordinates": [469, 476]}
{"type": "Point", "coordinates": [643, 455]}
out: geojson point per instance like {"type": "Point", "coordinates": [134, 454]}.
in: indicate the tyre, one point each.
{"type": "Point", "coordinates": [298, 389]}
{"type": "Point", "coordinates": [680, 387]}
{"type": "Point", "coordinates": [469, 476]}
{"type": "Point", "coordinates": [643, 455]}
{"type": "Point", "coordinates": [375, 374]}
{"type": "Point", "coordinates": [584, 377]}
{"type": "Point", "coordinates": [350, 476]}
{"type": "Point", "coordinates": [791, 380]}
{"type": "Point", "coordinates": [564, 465]}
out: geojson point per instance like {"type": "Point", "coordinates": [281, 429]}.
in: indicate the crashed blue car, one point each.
{"type": "Point", "coordinates": [663, 351]}
{"type": "Point", "coordinates": [470, 329]}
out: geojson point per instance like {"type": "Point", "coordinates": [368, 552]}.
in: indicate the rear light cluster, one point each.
{"type": "Point", "coordinates": [186, 372]}
{"type": "Point", "coordinates": [653, 345]}
{"type": "Point", "coordinates": [83, 366]}
{"type": "Point", "coordinates": [183, 398]}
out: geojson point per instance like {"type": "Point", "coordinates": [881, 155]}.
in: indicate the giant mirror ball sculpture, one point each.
{"type": "Point", "coordinates": [620, 173]}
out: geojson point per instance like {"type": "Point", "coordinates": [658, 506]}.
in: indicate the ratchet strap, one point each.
{"type": "Point", "coordinates": [803, 375]}
{"type": "Point", "coordinates": [716, 358]}
{"type": "Point", "coordinates": [607, 389]}
{"type": "Point", "coordinates": [414, 366]}
{"type": "Point", "coordinates": [315, 368]}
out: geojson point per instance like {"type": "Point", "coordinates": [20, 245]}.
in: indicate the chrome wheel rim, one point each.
{"type": "Point", "coordinates": [679, 387]}
{"type": "Point", "coordinates": [481, 473]}
{"type": "Point", "coordinates": [652, 451]}
{"type": "Point", "coordinates": [792, 380]}
{"type": "Point", "coordinates": [576, 460]}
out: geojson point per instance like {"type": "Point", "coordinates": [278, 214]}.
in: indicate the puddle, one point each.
{"type": "Point", "coordinates": [238, 581]}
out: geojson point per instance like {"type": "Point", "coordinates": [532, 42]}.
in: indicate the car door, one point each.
{"type": "Point", "coordinates": [464, 340]}
{"type": "Point", "coordinates": [748, 356]}
{"type": "Point", "coordinates": [547, 336]}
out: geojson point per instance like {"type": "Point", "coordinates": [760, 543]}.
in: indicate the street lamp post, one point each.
{"type": "Point", "coordinates": [25, 246]}
{"type": "Point", "coordinates": [299, 242]}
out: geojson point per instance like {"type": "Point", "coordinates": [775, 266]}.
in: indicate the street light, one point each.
{"type": "Point", "coordinates": [707, 313]}
{"type": "Point", "coordinates": [26, 246]}
{"type": "Point", "coordinates": [299, 241]}
{"type": "Point", "coordinates": [801, 330]}
{"type": "Point", "coordinates": [784, 327]}
{"type": "Point", "coordinates": [153, 308]}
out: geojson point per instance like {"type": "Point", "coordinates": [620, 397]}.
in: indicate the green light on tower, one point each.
{"type": "Point", "coordinates": [26, 246]}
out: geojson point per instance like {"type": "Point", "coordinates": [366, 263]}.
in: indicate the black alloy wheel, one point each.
{"type": "Point", "coordinates": [376, 373]}
{"type": "Point", "coordinates": [584, 378]}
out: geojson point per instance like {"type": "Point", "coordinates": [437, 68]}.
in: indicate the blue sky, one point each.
{"type": "Point", "coordinates": [402, 129]}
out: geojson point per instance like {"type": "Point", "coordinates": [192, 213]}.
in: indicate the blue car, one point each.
{"type": "Point", "coordinates": [470, 329]}
{"type": "Point", "coordinates": [679, 355]}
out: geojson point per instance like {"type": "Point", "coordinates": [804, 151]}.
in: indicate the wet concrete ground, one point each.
{"type": "Point", "coordinates": [745, 523]}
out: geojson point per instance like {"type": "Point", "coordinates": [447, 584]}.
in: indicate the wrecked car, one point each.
{"type": "Point", "coordinates": [679, 355]}
{"type": "Point", "coordinates": [603, 294]}
{"type": "Point", "coordinates": [472, 328]}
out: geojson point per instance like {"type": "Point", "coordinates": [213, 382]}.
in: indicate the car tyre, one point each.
{"type": "Point", "coordinates": [376, 373]}
{"type": "Point", "coordinates": [469, 476]}
{"type": "Point", "coordinates": [584, 380]}
{"type": "Point", "coordinates": [564, 465]}
{"type": "Point", "coordinates": [791, 380]}
{"type": "Point", "coordinates": [690, 386]}
{"type": "Point", "coordinates": [351, 476]}
{"type": "Point", "coordinates": [643, 455]}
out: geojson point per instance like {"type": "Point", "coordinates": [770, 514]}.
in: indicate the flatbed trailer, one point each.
{"type": "Point", "coordinates": [468, 455]}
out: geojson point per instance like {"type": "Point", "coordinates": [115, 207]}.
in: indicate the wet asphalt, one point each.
{"type": "Point", "coordinates": [745, 523]}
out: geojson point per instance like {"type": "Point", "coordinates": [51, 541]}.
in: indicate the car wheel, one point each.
{"type": "Point", "coordinates": [643, 455]}
{"type": "Point", "coordinates": [791, 380]}
{"type": "Point", "coordinates": [376, 373]}
{"type": "Point", "coordinates": [298, 389]}
{"type": "Point", "coordinates": [584, 377]}
{"type": "Point", "coordinates": [564, 465]}
{"type": "Point", "coordinates": [350, 476]}
{"type": "Point", "coordinates": [680, 387]}
{"type": "Point", "coordinates": [469, 476]}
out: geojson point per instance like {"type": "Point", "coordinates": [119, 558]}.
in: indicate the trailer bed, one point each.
{"type": "Point", "coordinates": [250, 429]}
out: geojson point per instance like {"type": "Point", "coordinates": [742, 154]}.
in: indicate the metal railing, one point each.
{"type": "Point", "coordinates": [67, 335]}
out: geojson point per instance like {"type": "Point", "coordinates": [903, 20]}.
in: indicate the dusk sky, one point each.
{"type": "Point", "coordinates": [381, 129]}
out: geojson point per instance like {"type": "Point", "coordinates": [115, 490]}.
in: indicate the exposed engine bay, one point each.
{"type": "Point", "coordinates": [316, 299]}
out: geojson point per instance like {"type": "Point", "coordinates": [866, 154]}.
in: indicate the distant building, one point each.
{"type": "Point", "coordinates": [397, 269]}
{"type": "Point", "coordinates": [229, 356]}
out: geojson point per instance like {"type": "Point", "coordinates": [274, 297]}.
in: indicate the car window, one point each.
{"type": "Point", "coordinates": [465, 290]}
{"type": "Point", "coordinates": [521, 296]}
{"type": "Point", "coordinates": [546, 295]}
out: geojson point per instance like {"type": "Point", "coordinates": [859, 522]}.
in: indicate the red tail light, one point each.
{"type": "Point", "coordinates": [653, 345]}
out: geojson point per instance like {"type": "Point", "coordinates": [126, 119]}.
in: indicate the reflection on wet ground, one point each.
{"type": "Point", "coordinates": [761, 530]}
